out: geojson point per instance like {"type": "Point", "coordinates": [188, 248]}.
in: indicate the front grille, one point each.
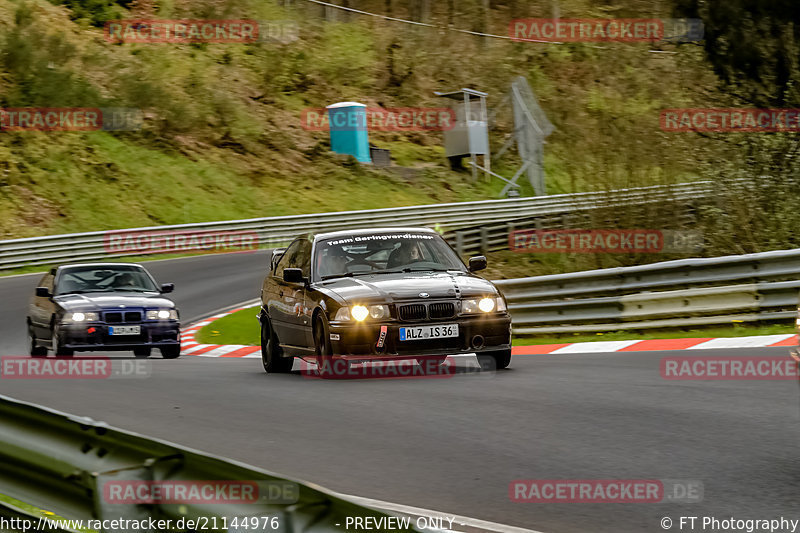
{"type": "Point", "coordinates": [412, 312]}
{"type": "Point", "coordinates": [442, 310]}
{"type": "Point", "coordinates": [116, 317]}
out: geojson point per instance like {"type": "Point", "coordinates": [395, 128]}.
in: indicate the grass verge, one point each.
{"type": "Point", "coordinates": [242, 328]}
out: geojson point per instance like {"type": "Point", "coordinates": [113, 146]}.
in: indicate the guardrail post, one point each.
{"type": "Point", "coordinates": [484, 240]}
{"type": "Point", "coordinates": [460, 242]}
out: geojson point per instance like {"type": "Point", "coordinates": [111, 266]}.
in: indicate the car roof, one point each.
{"type": "Point", "coordinates": [99, 265]}
{"type": "Point", "coordinates": [370, 231]}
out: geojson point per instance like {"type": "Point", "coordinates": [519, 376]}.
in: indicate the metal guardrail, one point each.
{"type": "Point", "coordinates": [685, 292]}
{"type": "Point", "coordinates": [491, 237]}
{"type": "Point", "coordinates": [277, 231]}
{"type": "Point", "coordinates": [61, 462]}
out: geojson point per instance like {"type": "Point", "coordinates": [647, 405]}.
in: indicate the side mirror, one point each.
{"type": "Point", "coordinates": [477, 263]}
{"type": "Point", "coordinates": [292, 275]}
{"type": "Point", "coordinates": [43, 292]}
{"type": "Point", "coordinates": [167, 287]}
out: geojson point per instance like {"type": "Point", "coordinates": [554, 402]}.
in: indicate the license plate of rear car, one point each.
{"type": "Point", "coordinates": [419, 333]}
{"type": "Point", "coordinates": [124, 330]}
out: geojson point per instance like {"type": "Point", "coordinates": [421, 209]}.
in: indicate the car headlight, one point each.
{"type": "Point", "coordinates": [482, 305]}
{"type": "Point", "coordinates": [359, 312]}
{"type": "Point", "coordinates": [378, 311]}
{"type": "Point", "coordinates": [362, 312]}
{"type": "Point", "coordinates": [162, 314]}
{"type": "Point", "coordinates": [83, 317]}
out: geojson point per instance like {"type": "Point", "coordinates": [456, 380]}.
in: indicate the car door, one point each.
{"type": "Point", "coordinates": [42, 308]}
{"type": "Point", "coordinates": [286, 300]}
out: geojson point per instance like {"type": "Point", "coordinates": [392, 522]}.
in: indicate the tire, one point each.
{"type": "Point", "coordinates": [59, 350]}
{"type": "Point", "coordinates": [142, 352]}
{"type": "Point", "coordinates": [173, 351]}
{"type": "Point", "coordinates": [272, 357]}
{"type": "Point", "coordinates": [495, 360]}
{"type": "Point", "coordinates": [35, 350]}
{"type": "Point", "coordinates": [323, 350]}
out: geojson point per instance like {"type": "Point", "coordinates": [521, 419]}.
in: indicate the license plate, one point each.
{"type": "Point", "coordinates": [418, 333]}
{"type": "Point", "coordinates": [124, 330]}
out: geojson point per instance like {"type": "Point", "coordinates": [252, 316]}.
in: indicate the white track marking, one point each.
{"type": "Point", "coordinates": [761, 341]}
{"type": "Point", "coordinates": [594, 347]}
{"type": "Point", "coordinates": [222, 350]}
{"type": "Point", "coordinates": [195, 348]}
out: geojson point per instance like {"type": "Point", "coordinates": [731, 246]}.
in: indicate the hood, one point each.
{"type": "Point", "coordinates": [408, 286]}
{"type": "Point", "coordinates": [99, 301]}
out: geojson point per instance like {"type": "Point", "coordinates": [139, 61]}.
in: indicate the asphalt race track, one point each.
{"type": "Point", "coordinates": [454, 444]}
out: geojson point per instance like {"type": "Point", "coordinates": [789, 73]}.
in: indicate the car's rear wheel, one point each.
{"type": "Point", "coordinates": [495, 360]}
{"type": "Point", "coordinates": [271, 352]}
{"type": "Point", "coordinates": [142, 352]}
{"type": "Point", "coordinates": [173, 351]}
{"type": "Point", "coordinates": [58, 345]}
{"type": "Point", "coordinates": [35, 349]}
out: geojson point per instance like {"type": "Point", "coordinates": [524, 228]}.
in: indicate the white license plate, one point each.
{"type": "Point", "coordinates": [124, 330]}
{"type": "Point", "coordinates": [419, 333]}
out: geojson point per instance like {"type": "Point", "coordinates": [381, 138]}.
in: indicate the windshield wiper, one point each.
{"type": "Point", "coordinates": [80, 291]}
{"type": "Point", "coordinates": [424, 269]}
{"type": "Point", "coordinates": [351, 274]}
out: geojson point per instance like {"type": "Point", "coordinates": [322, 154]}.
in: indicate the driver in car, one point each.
{"type": "Point", "coordinates": [124, 281]}
{"type": "Point", "coordinates": [408, 252]}
{"type": "Point", "coordinates": [333, 262]}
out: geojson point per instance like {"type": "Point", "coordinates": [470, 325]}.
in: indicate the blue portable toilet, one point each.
{"type": "Point", "coordinates": [348, 128]}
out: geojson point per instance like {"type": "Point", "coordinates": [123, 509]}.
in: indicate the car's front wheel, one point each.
{"type": "Point", "coordinates": [35, 349]}
{"type": "Point", "coordinates": [323, 350]}
{"type": "Point", "coordinates": [173, 351]}
{"type": "Point", "coordinates": [271, 353]}
{"type": "Point", "coordinates": [495, 360]}
{"type": "Point", "coordinates": [58, 345]}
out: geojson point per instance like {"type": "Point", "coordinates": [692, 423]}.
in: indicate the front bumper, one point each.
{"type": "Point", "coordinates": [476, 334]}
{"type": "Point", "coordinates": [87, 337]}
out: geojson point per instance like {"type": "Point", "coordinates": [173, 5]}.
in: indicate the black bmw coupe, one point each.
{"type": "Point", "coordinates": [392, 293]}
{"type": "Point", "coordinates": [102, 307]}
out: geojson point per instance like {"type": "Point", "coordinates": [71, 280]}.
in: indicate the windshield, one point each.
{"type": "Point", "coordinates": [122, 278]}
{"type": "Point", "coordinates": [382, 253]}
